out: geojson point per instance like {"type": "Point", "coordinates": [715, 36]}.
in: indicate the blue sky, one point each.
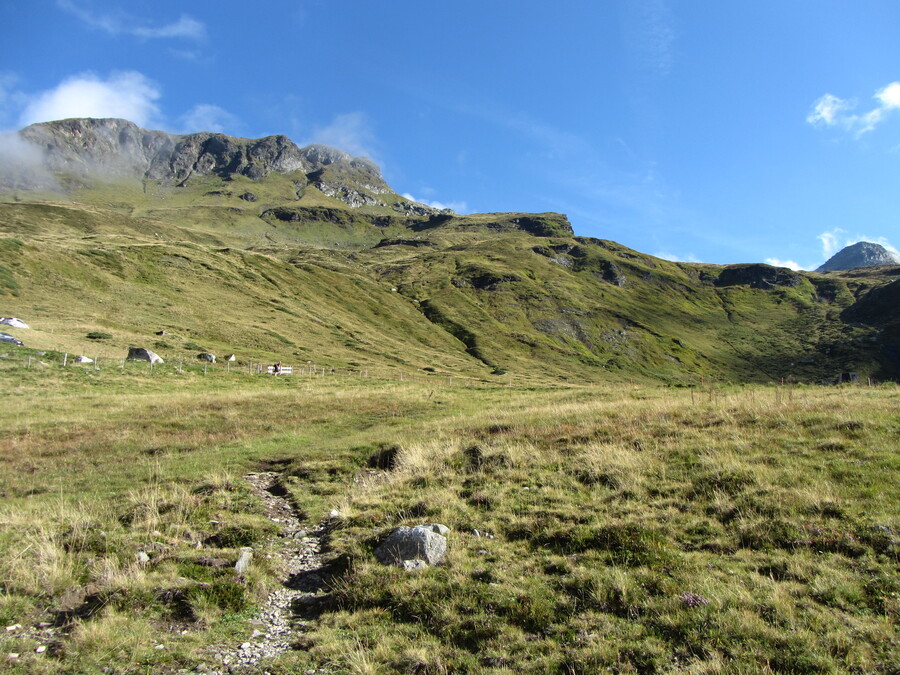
{"type": "Point", "coordinates": [696, 130]}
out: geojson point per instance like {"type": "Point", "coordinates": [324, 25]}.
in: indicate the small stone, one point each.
{"type": "Point", "coordinates": [243, 562]}
{"type": "Point", "coordinates": [159, 647]}
{"type": "Point", "coordinates": [15, 626]}
{"type": "Point", "coordinates": [246, 646]}
{"type": "Point", "coordinates": [41, 649]}
{"type": "Point", "coordinates": [142, 557]}
{"type": "Point", "coordinates": [12, 656]}
{"type": "Point", "coordinates": [412, 565]}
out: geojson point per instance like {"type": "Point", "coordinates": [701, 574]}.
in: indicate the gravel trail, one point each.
{"type": "Point", "coordinates": [288, 610]}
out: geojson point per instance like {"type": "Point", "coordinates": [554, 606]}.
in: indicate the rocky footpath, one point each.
{"type": "Point", "coordinates": [287, 611]}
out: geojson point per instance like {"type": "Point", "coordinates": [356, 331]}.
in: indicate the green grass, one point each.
{"type": "Point", "coordinates": [639, 529]}
{"type": "Point", "coordinates": [562, 403]}
{"type": "Point", "coordinates": [478, 295]}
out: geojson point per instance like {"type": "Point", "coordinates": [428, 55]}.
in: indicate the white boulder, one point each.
{"type": "Point", "coordinates": [142, 354]}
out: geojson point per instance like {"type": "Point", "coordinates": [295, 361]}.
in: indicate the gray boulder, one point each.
{"type": "Point", "coordinates": [206, 356]}
{"type": "Point", "coordinates": [142, 354]}
{"type": "Point", "coordinates": [404, 545]}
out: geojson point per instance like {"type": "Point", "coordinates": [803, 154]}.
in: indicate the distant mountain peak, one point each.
{"type": "Point", "coordinates": [860, 254]}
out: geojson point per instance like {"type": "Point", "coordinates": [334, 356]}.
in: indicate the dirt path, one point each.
{"type": "Point", "coordinates": [288, 610]}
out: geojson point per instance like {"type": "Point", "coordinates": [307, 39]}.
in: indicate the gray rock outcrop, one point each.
{"type": "Point", "coordinates": [860, 254]}
{"type": "Point", "coordinates": [142, 354]}
{"type": "Point", "coordinates": [206, 356]}
{"type": "Point", "coordinates": [117, 148]}
{"type": "Point", "coordinates": [409, 547]}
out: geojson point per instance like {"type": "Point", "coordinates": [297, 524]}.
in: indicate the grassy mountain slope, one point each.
{"type": "Point", "coordinates": [276, 269]}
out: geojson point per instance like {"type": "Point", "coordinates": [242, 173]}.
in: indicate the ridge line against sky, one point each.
{"type": "Point", "coordinates": [690, 131]}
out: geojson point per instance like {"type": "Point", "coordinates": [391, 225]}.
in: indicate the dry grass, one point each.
{"type": "Point", "coordinates": [637, 529]}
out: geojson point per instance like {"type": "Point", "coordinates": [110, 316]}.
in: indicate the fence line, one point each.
{"type": "Point", "coordinates": [257, 368]}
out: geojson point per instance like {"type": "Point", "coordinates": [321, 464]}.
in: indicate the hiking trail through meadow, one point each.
{"type": "Point", "coordinates": [288, 611]}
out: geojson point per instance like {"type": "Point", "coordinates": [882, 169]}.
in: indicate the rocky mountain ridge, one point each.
{"type": "Point", "coordinates": [120, 150]}
{"type": "Point", "coordinates": [860, 254]}
{"type": "Point", "coordinates": [118, 147]}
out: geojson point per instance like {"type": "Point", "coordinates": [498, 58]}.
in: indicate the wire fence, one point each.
{"type": "Point", "coordinates": [32, 359]}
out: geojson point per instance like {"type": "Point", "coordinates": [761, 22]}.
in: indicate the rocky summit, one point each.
{"type": "Point", "coordinates": [116, 149]}
{"type": "Point", "coordinates": [860, 254]}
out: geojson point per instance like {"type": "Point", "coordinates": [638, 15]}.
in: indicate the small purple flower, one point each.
{"type": "Point", "coordinates": [693, 599]}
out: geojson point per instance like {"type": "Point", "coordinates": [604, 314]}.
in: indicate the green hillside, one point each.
{"type": "Point", "coordinates": [288, 273]}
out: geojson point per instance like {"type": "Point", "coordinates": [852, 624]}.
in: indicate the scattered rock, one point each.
{"type": "Point", "coordinates": [142, 354]}
{"type": "Point", "coordinates": [277, 621]}
{"type": "Point", "coordinates": [404, 544]}
{"type": "Point", "coordinates": [243, 562]}
{"type": "Point", "coordinates": [231, 357]}
{"type": "Point", "coordinates": [83, 359]}
{"type": "Point", "coordinates": [206, 356]}
{"type": "Point", "coordinates": [249, 197]}
{"type": "Point", "coordinates": [13, 321]}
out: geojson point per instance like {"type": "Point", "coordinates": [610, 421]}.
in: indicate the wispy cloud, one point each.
{"type": "Point", "coordinates": [832, 111]}
{"type": "Point", "coordinates": [836, 239]}
{"type": "Point", "coordinates": [208, 117]}
{"type": "Point", "coordinates": [120, 23]}
{"type": "Point", "coordinates": [350, 132]}
{"type": "Point", "coordinates": [790, 264]}
{"type": "Point", "coordinates": [21, 163]}
{"type": "Point", "coordinates": [184, 27]}
{"type": "Point", "coordinates": [129, 95]}
{"type": "Point", "coordinates": [667, 255]}
{"type": "Point", "coordinates": [650, 34]}
{"type": "Point", "coordinates": [458, 207]}
{"type": "Point", "coordinates": [831, 242]}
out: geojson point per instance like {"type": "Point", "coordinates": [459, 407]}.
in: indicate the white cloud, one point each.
{"type": "Point", "coordinates": [837, 239]}
{"type": "Point", "coordinates": [129, 95]}
{"type": "Point", "coordinates": [21, 163]}
{"type": "Point", "coordinates": [185, 27]}
{"type": "Point", "coordinates": [832, 111]}
{"type": "Point", "coordinates": [790, 264]}
{"type": "Point", "coordinates": [831, 242]}
{"type": "Point", "coordinates": [458, 207]}
{"type": "Point", "coordinates": [349, 132]}
{"type": "Point", "coordinates": [208, 117]}
{"type": "Point", "coordinates": [672, 257]}
{"type": "Point", "coordinates": [889, 96]}
{"type": "Point", "coordinates": [121, 23]}
{"type": "Point", "coordinates": [828, 109]}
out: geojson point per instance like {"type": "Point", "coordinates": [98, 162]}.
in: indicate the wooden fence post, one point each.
{"type": "Point", "coordinates": [65, 359]}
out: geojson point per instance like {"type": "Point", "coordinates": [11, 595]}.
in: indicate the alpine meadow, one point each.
{"type": "Point", "coordinates": [616, 462]}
